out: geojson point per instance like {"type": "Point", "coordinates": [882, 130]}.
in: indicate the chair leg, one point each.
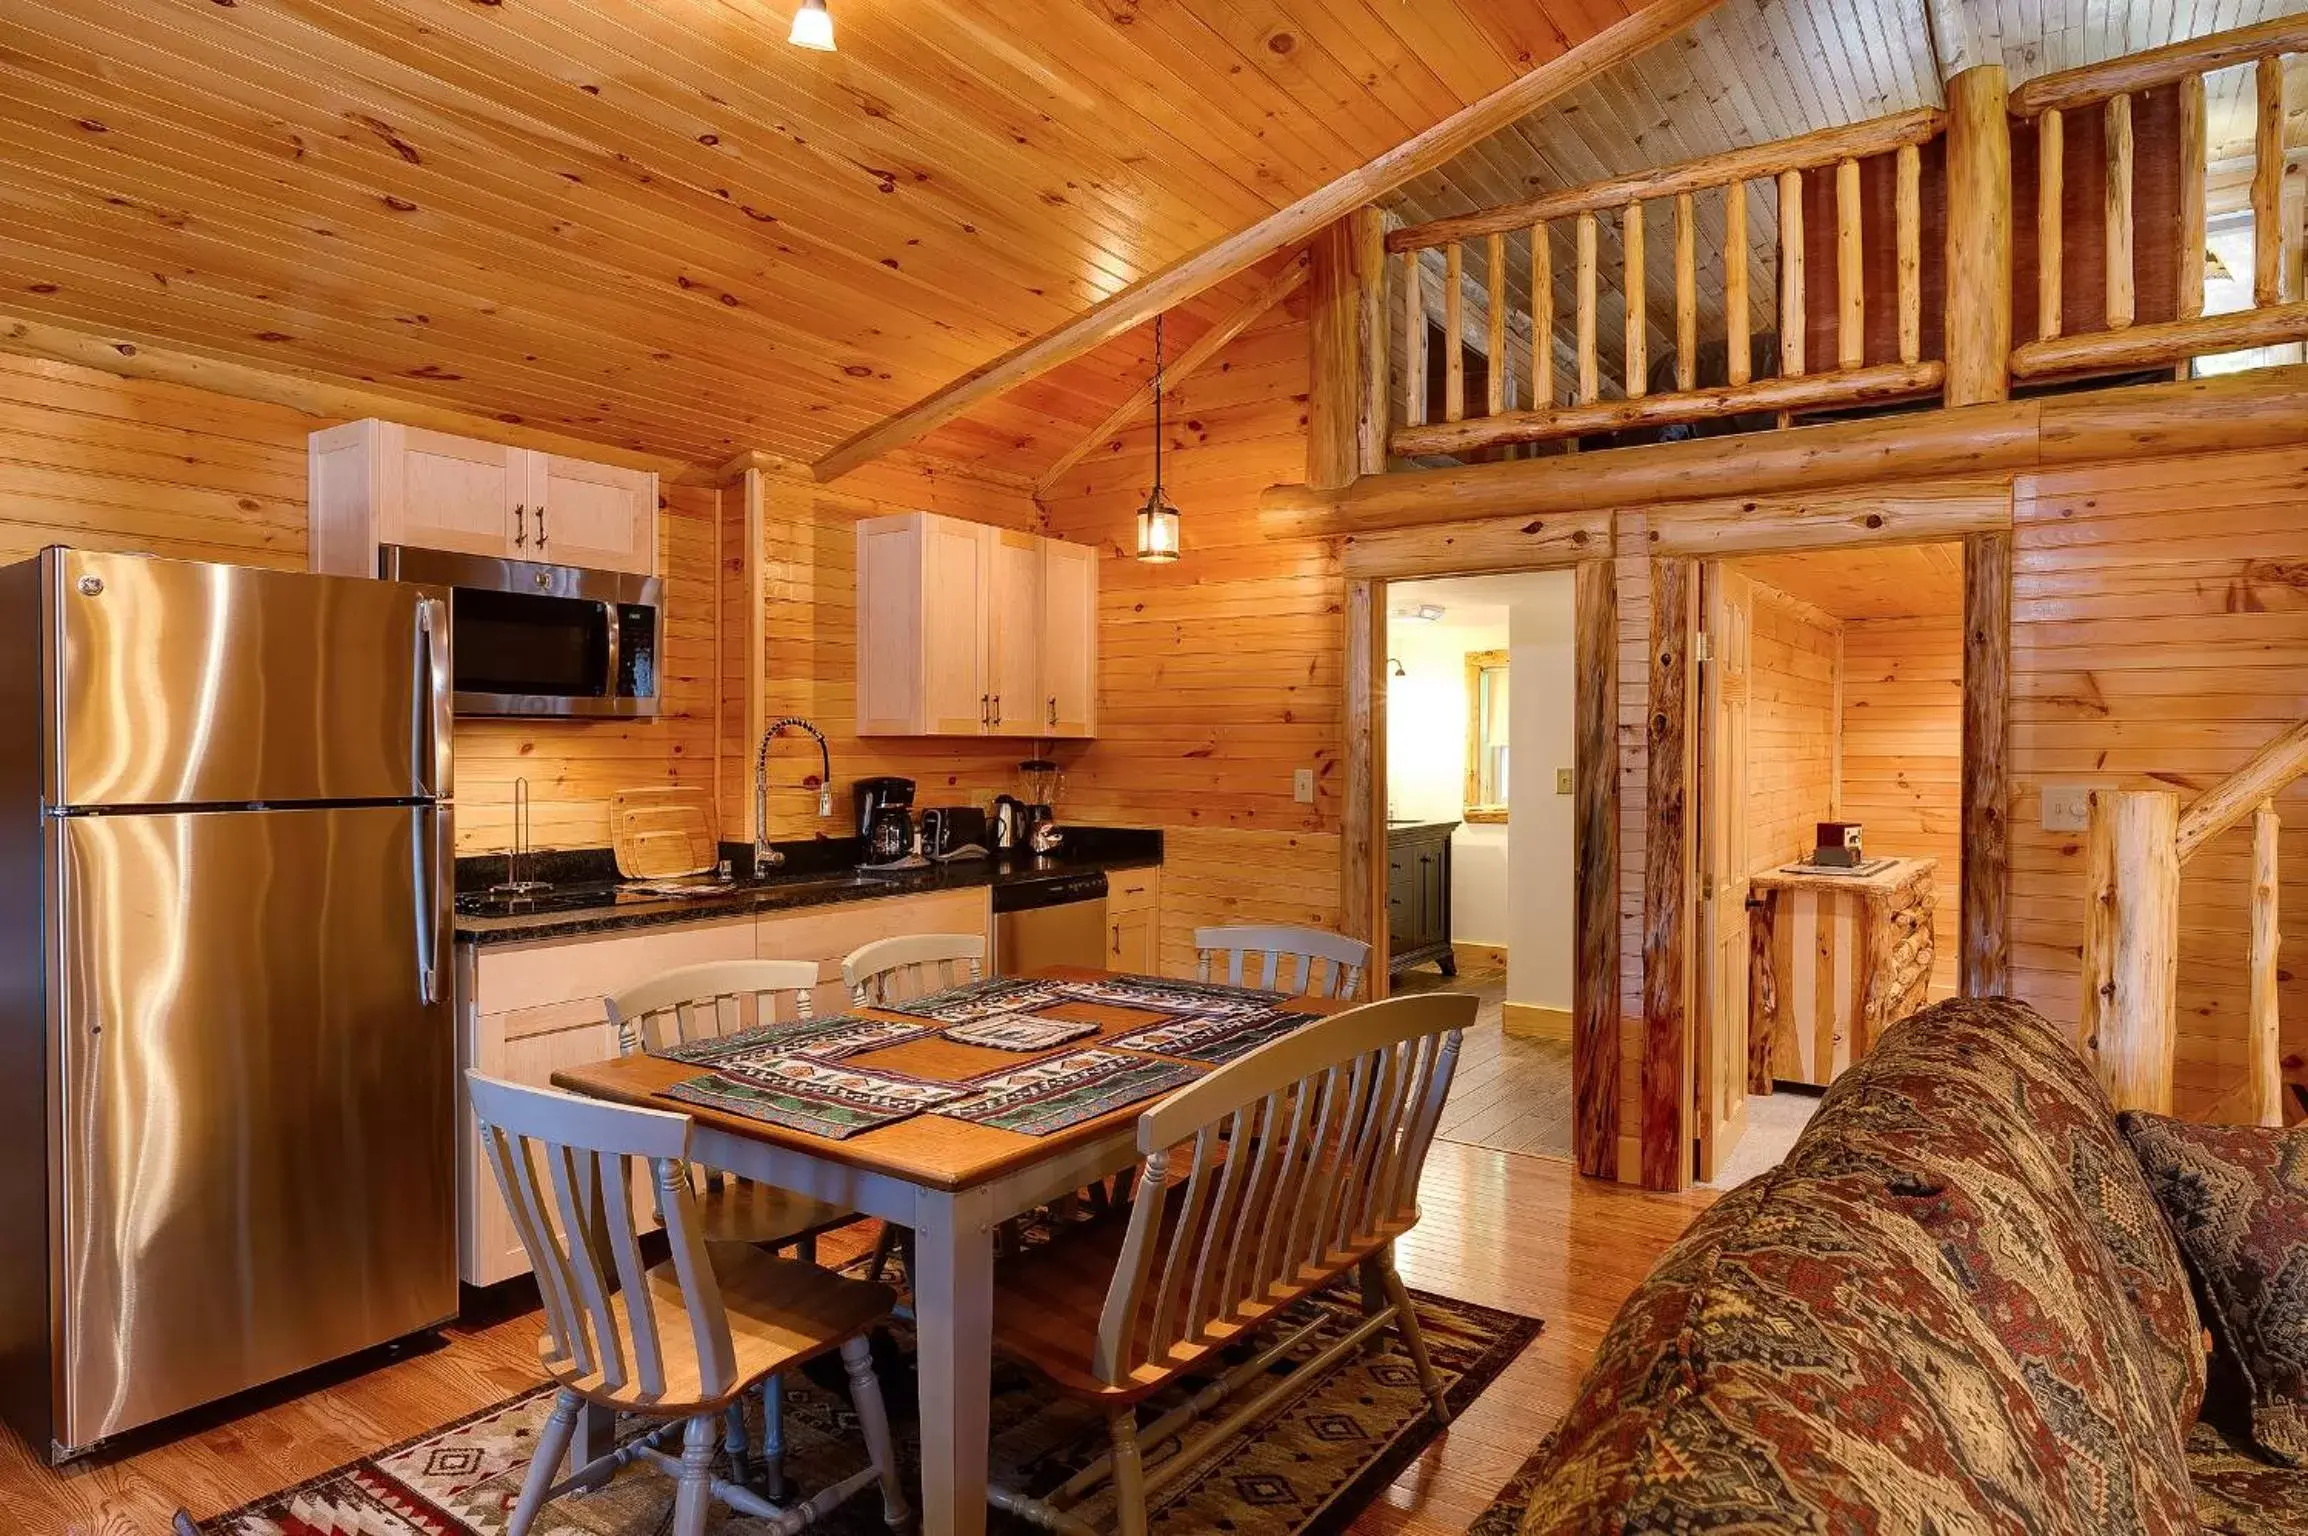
{"type": "Point", "coordinates": [1374, 1301]}
{"type": "Point", "coordinates": [865, 1395]}
{"type": "Point", "coordinates": [806, 1249]}
{"type": "Point", "coordinates": [884, 1245]}
{"type": "Point", "coordinates": [693, 1495]}
{"type": "Point", "coordinates": [773, 1439]}
{"type": "Point", "coordinates": [1406, 1322]}
{"type": "Point", "coordinates": [734, 1444]}
{"type": "Point", "coordinates": [545, 1462]}
{"type": "Point", "coordinates": [1129, 1475]}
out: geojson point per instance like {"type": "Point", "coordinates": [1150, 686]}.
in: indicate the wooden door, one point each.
{"type": "Point", "coordinates": [957, 694]}
{"type": "Point", "coordinates": [594, 515]}
{"type": "Point", "coordinates": [1069, 639]}
{"type": "Point", "coordinates": [453, 493]}
{"type": "Point", "coordinates": [1134, 922]}
{"type": "Point", "coordinates": [1014, 633]}
{"type": "Point", "coordinates": [1725, 864]}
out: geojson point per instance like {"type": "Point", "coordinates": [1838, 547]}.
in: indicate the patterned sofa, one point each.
{"type": "Point", "coordinates": [1953, 1309]}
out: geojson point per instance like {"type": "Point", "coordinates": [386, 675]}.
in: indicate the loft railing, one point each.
{"type": "Point", "coordinates": [2048, 101]}
{"type": "Point", "coordinates": [1964, 185]}
{"type": "Point", "coordinates": [1799, 385]}
{"type": "Point", "coordinates": [2137, 843]}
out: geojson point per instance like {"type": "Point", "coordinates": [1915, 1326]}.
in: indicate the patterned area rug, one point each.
{"type": "Point", "coordinates": [1305, 1469]}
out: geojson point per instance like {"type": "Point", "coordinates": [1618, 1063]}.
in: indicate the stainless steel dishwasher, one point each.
{"type": "Point", "coordinates": [1058, 919]}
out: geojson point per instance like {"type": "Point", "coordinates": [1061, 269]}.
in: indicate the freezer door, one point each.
{"type": "Point", "coordinates": [179, 683]}
{"type": "Point", "coordinates": [256, 1138]}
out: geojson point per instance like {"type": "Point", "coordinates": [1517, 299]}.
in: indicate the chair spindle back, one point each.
{"type": "Point", "coordinates": [564, 1165]}
{"type": "Point", "coordinates": [699, 1002]}
{"type": "Point", "coordinates": [892, 971]}
{"type": "Point", "coordinates": [1255, 956]}
{"type": "Point", "coordinates": [1303, 1157]}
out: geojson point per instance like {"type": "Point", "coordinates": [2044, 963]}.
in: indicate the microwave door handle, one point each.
{"type": "Point", "coordinates": [432, 696]}
{"type": "Point", "coordinates": [427, 823]}
{"type": "Point", "coordinates": [613, 625]}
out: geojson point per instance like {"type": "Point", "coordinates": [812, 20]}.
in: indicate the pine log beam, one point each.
{"type": "Point", "coordinates": [2167, 341]}
{"type": "Point", "coordinates": [1858, 386]}
{"type": "Point", "coordinates": [1595, 856]}
{"type": "Point", "coordinates": [1492, 544]}
{"type": "Point", "coordinates": [1983, 963]}
{"type": "Point", "coordinates": [2266, 408]}
{"type": "Point", "coordinates": [2129, 1014]}
{"type": "Point", "coordinates": [1809, 151]}
{"type": "Point", "coordinates": [1344, 351]}
{"type": "Point", "coordinates": [1667, 1063]}
{"type": "Point", "coordinates": [1979, 241]}
{"type": "Point", "coordinates": [2089, 84]}
{"type": "Point", "coordinates": [2228, 802]}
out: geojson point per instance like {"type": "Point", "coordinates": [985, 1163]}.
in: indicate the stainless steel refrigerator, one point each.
{"type": "Point", "coordinates": [227, 1145]}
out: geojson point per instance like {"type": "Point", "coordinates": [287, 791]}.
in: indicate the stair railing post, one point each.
{"type": "Point", "coordinates": [2129, 1005]}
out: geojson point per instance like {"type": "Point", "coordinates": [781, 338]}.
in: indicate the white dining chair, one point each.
{"type": "Point", "coordinates": [1266, 948]}
{"type": "Point", "coordinates": [1261, 1184]}
{"type": "Point", "coordinates": [701, 1002]}
{"type": "Point", "coordinates": [681, 1341]}
{"type": "Point", "coordinates": [891, 971]}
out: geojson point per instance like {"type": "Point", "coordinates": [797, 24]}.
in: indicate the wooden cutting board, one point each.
{"type": "Point", "coordinates": [662, 833]}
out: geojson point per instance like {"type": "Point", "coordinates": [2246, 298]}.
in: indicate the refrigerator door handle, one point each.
{"type": "Point", "coordinates": [426, 862]}
{"type": "Point", "coordinates": [433, 696]}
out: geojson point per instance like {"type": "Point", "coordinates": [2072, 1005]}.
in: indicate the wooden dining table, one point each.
{"type": "Point", "coordinates": [952, 1181]}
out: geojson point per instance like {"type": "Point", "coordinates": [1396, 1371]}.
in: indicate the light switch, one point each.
{"type": "Point", "coordinates": [1562, 781]}
{"type": "Point", "coordinates": [1302, 786]}
{"type": "Point", "coordinates": [2067, 807]}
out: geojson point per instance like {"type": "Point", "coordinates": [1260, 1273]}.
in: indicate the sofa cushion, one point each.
{"type": "Point", "coordinates": [1951, 1308]}
{"type": "Point", "coordinates": [2237, 1196]}
{"type": "Point", "coordinates": [2238, 1493]}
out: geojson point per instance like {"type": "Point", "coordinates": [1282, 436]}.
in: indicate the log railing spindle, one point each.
{"type": "Point", "coordinates": [2118, 134]}
{"type": "Point", "coordinates": [1590, 375]}
{"type": "Point", "coordinates": [1790, 273]}
{"type": "Point", "coordinates": [1638, 290]}
{"type": "Point", "coordinates": [1908, 217]}
{"type": "Point", "coordinates": [1850, 291]}
{"type": "Point", "coordinates": [1542, 320]}
{"type": "Point", "coordinates": [1739, 363]}
{"type": "Point", "coordinates": [1413, 339]}
{"type": "Point", "coordinates": [1686, 295]}
{"type": "Point", "coordinates": [1454, 335]}
{"type": "Point", "coordinates": [1499, 391]}
{"type": "Point", "coordinates": [2051, 173]}
{"type": "Point", "coordinates": [2191, 274]}
{"type": "Point", "coordinates": [2268, 183]}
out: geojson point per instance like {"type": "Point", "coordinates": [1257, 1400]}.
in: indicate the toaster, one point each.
{"type": "Point", "coordinates": [954, 832]}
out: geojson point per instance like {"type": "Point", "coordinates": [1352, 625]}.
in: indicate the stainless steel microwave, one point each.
{"type": "Point", "coordinates": [530, 640]}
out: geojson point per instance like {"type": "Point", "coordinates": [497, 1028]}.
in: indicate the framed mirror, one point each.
{"type": "Point", "coordinates": [1486, 796]}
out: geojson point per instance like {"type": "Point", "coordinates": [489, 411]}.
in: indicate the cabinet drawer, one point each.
{"type": "Point", "coordinates": [518, 978]}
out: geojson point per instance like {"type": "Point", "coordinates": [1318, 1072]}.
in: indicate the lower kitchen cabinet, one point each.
{"type": "Point", "coordinates": [526, 1011]}
{"type": "Point", "coordinates": [1134, 921]}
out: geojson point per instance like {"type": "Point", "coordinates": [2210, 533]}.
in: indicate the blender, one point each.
{"type": "Point", "coordinates": [1043, 781]}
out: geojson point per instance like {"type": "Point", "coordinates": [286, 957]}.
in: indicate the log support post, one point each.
{"type": "Point", "coordinates": [1595, 853]}
{"type": "Point", "coordinates": [1979, 244]}
{"type": "Point", "coordinates": [1347, 385]}
{"type": "Point", "coordinates": [2263, 1045]}
{"type": "Point", "coordinates": [2129, 1014]}
{"type": "Point", "coordinates": [1983, 961]}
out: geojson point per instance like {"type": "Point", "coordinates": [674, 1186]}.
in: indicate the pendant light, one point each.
{"type": "Point", "coordinates": [812, 27]}
{"type": "Point", "coordinates": [1157, 520]}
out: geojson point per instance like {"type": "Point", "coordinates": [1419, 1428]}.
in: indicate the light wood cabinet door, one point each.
{"type": "Point", "coordinates": [594, 515]}
{"type": "Point", "coordinates": [957, 693]}
{"type": "Point", "coordinates": [1069, 640]}
{"type": "Point", "coordinates": [1014, 633]}
{"type": "Point", "coordinates": [444, 492]}
{"type": "Point", "coordinates": [1134, 922]}
{"type": "Point", "coordinates": [527, 1046]}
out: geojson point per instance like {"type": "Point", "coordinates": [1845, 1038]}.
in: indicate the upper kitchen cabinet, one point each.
{"type": "Point", "coordinates": [971, 630]}
{"type": "Point", "coordinates": [378, 482]}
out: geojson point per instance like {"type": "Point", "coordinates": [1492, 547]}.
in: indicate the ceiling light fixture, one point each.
{"type": "Point", "coordinates": [1157, 520]}
{"type": "Point", "coordinates": [812, 27]}
{"type": "Point", "coordinates": [1424, 613]}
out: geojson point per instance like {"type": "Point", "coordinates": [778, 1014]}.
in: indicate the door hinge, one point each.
{"type": "Point", "coordinates": [1700, 649]}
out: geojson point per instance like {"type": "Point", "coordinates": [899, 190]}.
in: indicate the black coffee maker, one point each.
{"type": "Point", "coordinates": [885, 817]}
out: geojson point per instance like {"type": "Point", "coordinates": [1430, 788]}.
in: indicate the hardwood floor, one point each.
{"type": "Point", "coordinates": [1510, 1094]}
{"type": "Point", "coordinates": [1573, 1252]}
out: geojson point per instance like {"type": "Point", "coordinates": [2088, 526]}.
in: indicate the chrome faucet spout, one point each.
{"type": "Point", "coordinates": [764, 856]}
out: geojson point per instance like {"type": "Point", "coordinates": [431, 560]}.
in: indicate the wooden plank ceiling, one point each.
{"type": "Point", "coordinates": [656, 223]}
{"type": "Point", "coordinates": [1909, 581]}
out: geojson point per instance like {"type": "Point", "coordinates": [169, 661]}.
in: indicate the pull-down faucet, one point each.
{"type": "Point", "coordinates": [764, 856]}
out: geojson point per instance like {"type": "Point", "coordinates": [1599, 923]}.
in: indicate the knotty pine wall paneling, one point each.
{"type": "Point", "coordinates": [1793, 728]}
{"type": "Point", "coordinates": [2159, 637]}
{"type": "Point", "coordinates": [1903, 756]}
{"type": "Point", "coordinates": [103, 462]}
{"type": "Point", "coordinates": [1223, 673]}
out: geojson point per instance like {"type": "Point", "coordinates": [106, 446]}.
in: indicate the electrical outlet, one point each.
{"type": "Point", "coordinates": [2067, 807]}
{"type": "Point", "coordinates": [1562, 781]}
{"type": "Point", "coordinates": [1302, 786]}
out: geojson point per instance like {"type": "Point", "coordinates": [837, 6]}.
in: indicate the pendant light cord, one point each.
{"type": "Point", "coordinates": [1157, 405]}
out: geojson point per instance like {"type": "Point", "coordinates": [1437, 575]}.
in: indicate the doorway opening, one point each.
{"type": "Point", "coordinates": [1481, 712]}
{"type": "Point", "coordinates": [1829, 778]}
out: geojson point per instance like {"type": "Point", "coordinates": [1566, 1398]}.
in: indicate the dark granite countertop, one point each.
{"type": "Point", "coordinates": [818, 873]}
